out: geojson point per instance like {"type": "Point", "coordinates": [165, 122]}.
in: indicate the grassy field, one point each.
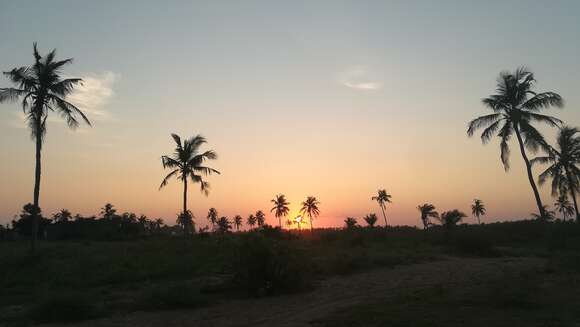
{"type": "Point", "coordinates": [79, 280]}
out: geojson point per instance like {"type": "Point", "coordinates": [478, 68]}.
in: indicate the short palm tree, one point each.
{"type": "Point", "coordinates": [310, 208]}
{"type": "Point", "coordinates": [371, 219]}
{"type": "Point", "coordinates": [187, 163]}
{"type": "Point", "coordinates": [350, 223]}
{"type": "Point", "coordinates": [223, 225]}
{"type": "Point", "coordinates": [382, 199]}
{"type": "Point", "coordinates": [478, 209]}
{"type": "Point", "coordinates": [450, 219]}
{"type": "Point", "coordinates": [563, 161]}
{"type": "Point", "coordinates": [251, 221]}
{"type": "Point", "coordinates": [238, 222]}
{"type": "Point", "coordinates": [260, 218]}
{"type": "Point", "coordinates": [547, 216]}
{"type": "Point", "coordinates": [564, 207]}
{"type": "Point", "coordinates": [515, 107]}
{"type": "Point", "coordinates": [42, 90]}
{"type": "Point", "coordinates": [212, 216]}
{"type": "Point", "coordinates": [280, 207]}
{"type": "Point", "coordinates": [427, 211]}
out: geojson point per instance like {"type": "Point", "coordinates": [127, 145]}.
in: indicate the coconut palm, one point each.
{"type": "Point", "coordinates": [280, 207]}
{"type": "Point", "coordinates": [478, 209]}
{"type": "Point", "coordinates": [547, 216]}
{"type": "Point", "coordinates": [310, 208]}
{"type": "Point", "coordinates": [223, 225]}
{"type": "Point", "coordinates": [564, 207]}
{"type": "Point", "coordinates": [260, 218]}
{"type": "Point", "coordinates": [62, 216]}
{"type": "Point", "coordinates": [238, 222]}
{"type": "Point", "coordinates": [251, 221]}
{"type": "Point", "coordinates": [212, 216]}
{"type": "Point", "coordinates": [41, 89]}
{"type": "Point", "coordinates": [371, 219]}
{"type": "Point", "coordinates": [515, 107]}
{"type": "Point", "coordinates": [563, 161]}
{"type": "Point", "coordinates": [187, 163]}
{"type": "Point", "coordinates": [382, 199]}
{"type": "Point", "coordinates": [450, 219]}
{"type": "Point", "coordinates": [427, 211]}
{"type": "Point", "coordinates": [350, 223]}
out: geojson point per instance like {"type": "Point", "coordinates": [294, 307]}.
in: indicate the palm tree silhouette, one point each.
{"type": "Point", "coordinates": [563, 171]}
{"type": "Point", "coordinates": [260, 218]}
{"type": "Point", "coordinates": [564, 206]}
{"type": "Point", "coordinates": [350, 223]}
{"type": "Point", "coordinates": [212, 216]}
{"type": "Point", "coordinates": [42, 90]}
{"type": "Point", "coordinates": [238, 222]}
{"type": "Point", "coordinates": [108, 211]}
{"type": "Point", "coordinates": [187, 162]}
{"type": "Point", "coordinates": [382, 199]}
{"type": "Point", "coordinates": [280, 207]}
{"type": "Point", "coordinates": [548, 214]}
{"type": "Point", "coordinates": [478, 209]}
{"type": "Point", "coordinates": [62, 216]}
{"type": "Point", "coordinates": [427, 211]}
{"type": "Point", "coordinates": [310, 208]}
{"type": "Point", "coordinates": [224, 225]}
{"type": "Point", "coordinates": [515, 107]}
{"type": "Point", "coordinates": [251, 221]}
{"type": "Point", "coordinates": [450, 219]}
{"type": "Point", "coordinates": [371, 219]}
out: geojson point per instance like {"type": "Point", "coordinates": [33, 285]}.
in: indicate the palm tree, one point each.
{"type": "Point", "coordinates": [371, 219]}
{"type": "Point", "coordinates": [224, 225]}
{"type": "Point", "coordinates": [310, 208]}
{"type": "Point", "coordinates": [478, 209]}
{"type": "Point", "coordinates": [108, 211]}
{"type": "Point", "coordinates": [350, 223]}
{"type": "Point", "coordinates": [238, 222]}
{"type": "Point", "coordinates": [563, 171]}
{"type": "Point", "coordinates": [450, 219]}
{"type": "Point", "coordinates": [548, 214]}
{"type": "Point", "coordinates": [564, 206]}
{"type": "Point", "coordinates": [382, 199]}
{"type": "Point", "coordinates": [251, 221]}
{"type": "Point", "coordinates": [427, 211]}
{"type": "Point", "coordinates": [187, 162]}
{"type": "Point", "coordinates": [515, 107]}
{"type": "Point", "coordinates": [42, 90]}
{"type": "Point", "coordinates": [280, 207]}
{"type": "Point", "coordinates": [212, 216]}
{"type": "Point", "coordinates": [260, 218]}
{"type": "Point", "coordinates": [62, 216]}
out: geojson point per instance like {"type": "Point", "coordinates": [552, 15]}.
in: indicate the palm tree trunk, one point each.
{"type": "Point", "coordinates": [311, 228]}
{"type": "Point", "coordinates": [37, 173]}
{"type": "Point", "coordinates": [478, 220]}
{"type": "Point", "coordinates": [185, 203]}
{"type": "Point", "coordinates": [530, 174]}
{"type": "Point", "coordinates": [573, 194]}
{"type": "Point", "coordinates": [384, 215]}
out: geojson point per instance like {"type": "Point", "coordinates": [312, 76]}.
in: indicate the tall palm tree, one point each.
{"type": "Point", "coordinates": [515, 107]}
{"type": "Point", "coordinates": [382, 199]}
{"type": "Point", "coordinates": [251, 221]}
{"type": "Point", "coordinates": [310, 208]}
{"type": "Point", "coordinates": [280, 207]}
{"type": "Point", "coordinates": [42, 90]}
{"type": "Point", "coordinates": [564, 206]}
{"type": "Point", "coordinates": [260, 218]}
{"type": "Point", "coordinates": [238, 222]}
{"type": "Point", "coordinates": [427, 211]}
{"type": "Point", "coordinates": [478, 209]}
{"type": "Point", "coordinates": [187, 163]}
{"type": "Point", "coordinates": [212, 216]}
{"type": "Point", "coordinates": [563, 161]}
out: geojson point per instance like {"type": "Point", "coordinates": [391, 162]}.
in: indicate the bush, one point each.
{"type": "Point", "coordinates": [178, 296]}
{"type": "Point", "coordinates": [473, 245]}
{"type": "Point", "coordinates": [66, 307]}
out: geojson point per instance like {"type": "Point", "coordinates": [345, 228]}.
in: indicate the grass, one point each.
{"type": "Point", "coordinates": [78, 280]}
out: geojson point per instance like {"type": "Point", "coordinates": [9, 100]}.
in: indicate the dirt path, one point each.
{"type": "Point", "coordinates": [331, 295]}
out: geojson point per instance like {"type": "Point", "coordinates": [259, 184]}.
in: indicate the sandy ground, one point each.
{"type": "Point", "coordinates": [330, 295]}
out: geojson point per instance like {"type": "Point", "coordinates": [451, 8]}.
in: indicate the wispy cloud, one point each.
{"type": "Point", "coordinates": [94, 94]}
{"type": "Point", "coordinates": [358, 78]}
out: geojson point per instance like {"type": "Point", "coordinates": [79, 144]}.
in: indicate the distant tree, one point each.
{"type": "Point", "coordinates": [427, 211]}
{"type": "Point", "coordinates": [298, 221]}
{"type": "Point", "coordinates": [212, 216]}
{"type": "Point", "coordinates": [310, 209]}
{"type": "Point", "coordinates": [450, 219]}
{"type": "Point", "coordinates": [280, 207]}
{"type": "Point", "coordinates": [187, 163]}
{"type": "Point", "coordinates": [24, 225]}
{"type": "Point", "coordinates": [478, 209]}
{"type": "Point", "coordinates": [371, 219]}
{"type": "Point", "coordinates": [62, 216]}
{"type": "Point", "coordinates": [350, 223]}
{"type": "Point", "coordinates": [108, 212]}
{"type": "Point", "coordinates": [515, 107]}
{"type": "Point", "coordinates": [185, 220]}
{"type": "Point", "coordinates": [158, 223]}
{"type": "Point", "coordinates": [260, 218]}
{"type": "Point", "coordinates": [382, 199]}
{"type": "Point", "coordinates": [42, 90]}
{"type": "Point", "coordinates": [251, 221]}
{"type": "Point", "coordinates": [563, 161]}
{"type": "Point", "coordinates": [224, 225]}
{"type": "Point", "coordinates": [238, 222]}
{"type": "Point", "coordinates": [564, 207]}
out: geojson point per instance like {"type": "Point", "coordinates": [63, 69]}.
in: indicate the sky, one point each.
{"type": "Point", "coordinates": [334, 99]}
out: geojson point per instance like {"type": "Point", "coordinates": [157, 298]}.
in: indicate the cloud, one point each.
{"type": "Point", "coordinates": [93, 95]}
{"type": "Point", "coordinates": [358, 78]}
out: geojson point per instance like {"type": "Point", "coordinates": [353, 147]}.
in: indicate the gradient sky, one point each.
{"type": "Point", "coordinates": [328, 98]}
